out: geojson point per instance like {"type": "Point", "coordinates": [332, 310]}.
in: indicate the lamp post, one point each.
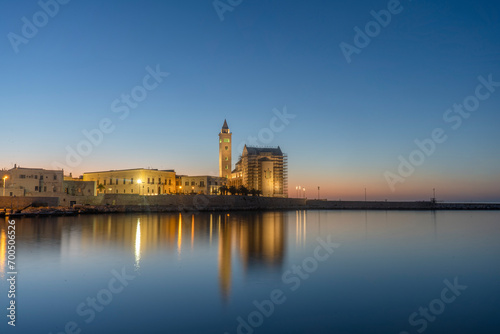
{"type": "Point", "coordinates": [297, 190]}
{"type": "Point", "coordinates": [4, 178]}
{"type": "Point", "coordinates": [304, 192]}
{"type": "Point", "coordinates": [318, 193]}
{"type": "Point", "coordinates": [139, 182]}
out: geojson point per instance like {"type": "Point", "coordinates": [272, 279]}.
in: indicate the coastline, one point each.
{"type": "Point", "coordinates": [113, 203]}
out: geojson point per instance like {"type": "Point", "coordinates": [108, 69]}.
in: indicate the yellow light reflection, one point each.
{"type": "Point", "coordinates": [138, 244]}
{"type": "Point", "coordinates": [179, 235]}
{"type": "Point", "coordinates": [3, 253]}
{"type": "Point", "coordinates": [211, 218]}
{"type": "Point", "coordinates": [192, 231]}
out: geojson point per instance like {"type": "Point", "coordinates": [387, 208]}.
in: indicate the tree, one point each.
{"type": "Point", "coordinates": [101, 187]}
{"type": "Point", "coordinates": [223, 190]}
{"type": "Point", "coordinates": [243, 190]}
{"type": "Point", "coordinates": [233, 190]}
{"type": "Point", "coordinates": [253, 192]}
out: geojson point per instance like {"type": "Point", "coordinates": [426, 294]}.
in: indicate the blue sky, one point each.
{"type": "Point", "coordinates": [352, 120]}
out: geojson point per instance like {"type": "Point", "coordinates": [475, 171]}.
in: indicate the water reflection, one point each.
{"type": "Point", "coordinates": [3, 253]}
{"type": "Point", "coordinates": [254, 240]}
{"type": "Point", "coordinates": [138, 245]}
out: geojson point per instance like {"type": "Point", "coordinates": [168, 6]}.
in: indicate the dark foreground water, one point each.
{"type": "Point", "coordinates": [271, 272]}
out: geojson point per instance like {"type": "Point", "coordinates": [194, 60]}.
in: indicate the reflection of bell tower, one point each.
{"type": "Point", "coordinates": [225, 258]}
{"type": "Point", "coordinates": [225, 151]}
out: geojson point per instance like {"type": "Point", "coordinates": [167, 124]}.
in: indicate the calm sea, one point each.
{"type": "Point", "coordinates": [263, 272]}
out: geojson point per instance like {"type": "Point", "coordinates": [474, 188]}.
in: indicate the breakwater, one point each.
{"type": "Point", "coordinates": [110, 203]}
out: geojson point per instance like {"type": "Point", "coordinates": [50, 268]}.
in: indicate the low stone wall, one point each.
{"type": "Point", "coordinates": [17, 203]}
{"type": "Point", "coordinates": [136, 203]}
{"type": "Point", "coordinates": [194, 202]}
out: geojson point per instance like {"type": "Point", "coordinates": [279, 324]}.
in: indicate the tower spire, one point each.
{"type": "Point", "coordinates": [225, 125]}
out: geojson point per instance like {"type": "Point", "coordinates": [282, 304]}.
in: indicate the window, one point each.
{"type": "Point", "coordinates": [104, 182]}
{"type": "Point", "coordinates": [116, 182]}
{"type": "Point", "coordinates": [110, 181]}
{"type": "Point", "coordinates": [132, 191]}
{"type": "Point", "coordinates": [170, 182]}
{"type": "Point", "coordinates": [227, 167]}
{"type": "Point", "coordinates": [36, 177]}
{"type": "Point", "coordinates": [159, 180]}
{"type": "Point", "coordinates": [22, 176]}
{"type": "Point", "coordinates": [187, 183]}
{"type": "Point", "coordinates": [55, 177]}
{"type": "Point", "coordinates": [123, 181]}
{"type": "Point", "coordinates": [36, 188]}
{"type": "Point", "coordinates": [226, 140]}
{"type": "Point", "coordinates": [226, 158]}
{"type": "Point", "coordinates": [45, 189]}
{"type": "Point", "coordinates": [132, 182]}
{"type": "Point", "coordinates": [220, 140]}
{"type": "Point", "coordinates": [148, 180]}
{"type": "Point", "coordinates": [192, 183]}
{"type": "Point", "coordinates": [202, 183]}
{"type": "Point", "coordinates": [226, 148]}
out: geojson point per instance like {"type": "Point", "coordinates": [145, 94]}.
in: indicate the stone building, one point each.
{"type": "Point", "coordinates": [204, 184]}
{"type": "Point", "coordinates": [21, 181]}
{"type": "Point", "coordinates": [259, 168]}
{"type": "Point", "coordinates": [133, 181]}
{"type": "Point", "coordinates": [77, 187]}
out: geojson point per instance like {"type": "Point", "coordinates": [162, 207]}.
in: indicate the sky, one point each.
{"type": "Point", "coordinates": [346, 88]}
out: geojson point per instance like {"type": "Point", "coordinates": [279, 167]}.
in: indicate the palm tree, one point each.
{"type": "Point", "coordinates": [243, 190]}
{"type": "Point", "coordinates": [233, 190]}
{"type": "Point", "coordinates": [101, 187]}
{"type": "Point", "coordinates": [223, 190]}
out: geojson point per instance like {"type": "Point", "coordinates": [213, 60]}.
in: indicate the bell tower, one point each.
{"type": "Point", "coordinates": [225, 151]}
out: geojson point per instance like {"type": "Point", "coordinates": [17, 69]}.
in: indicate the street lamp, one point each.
{"type": "Point", "coordinates": [304, 192]}
{"type": "Point", "coordinates": [4, 178]}
{"type": "Point", "coordinates": [139, 183]}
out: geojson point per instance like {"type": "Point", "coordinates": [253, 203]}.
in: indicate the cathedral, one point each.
{"type": "Point", "coordinates": [260, 168]}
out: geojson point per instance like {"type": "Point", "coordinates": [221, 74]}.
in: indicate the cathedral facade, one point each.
{"type": "Point", "coordinates": [261, 168]}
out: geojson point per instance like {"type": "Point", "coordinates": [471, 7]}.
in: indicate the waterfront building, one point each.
{"type": "Point", "coordinates": [20, 181]}
{"type": "Point", "coordinates": [73, 186]}
{"type": "Point", "coordinates": [203, 184]}
{"type": "Point", "coordinates": [134, 181]}
{"type": "Point", "coordinates": [260, 168]}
